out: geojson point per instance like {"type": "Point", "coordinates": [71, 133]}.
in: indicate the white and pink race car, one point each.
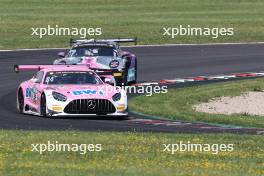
{"type": "Point", "coordinates": [68, 90]}
{"type": "Point", "coordinates": [104, 55]}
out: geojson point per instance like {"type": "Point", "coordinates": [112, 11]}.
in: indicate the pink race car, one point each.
{"type": "Point", "coordinates": [63, 90]}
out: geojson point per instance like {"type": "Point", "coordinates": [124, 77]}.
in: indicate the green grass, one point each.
{"type": "Point", "coordinates": [129, 154]}
{"type": "Point", "coordinates": [177, 103]}
{"type": "Point", "coordinates": [128, 18]}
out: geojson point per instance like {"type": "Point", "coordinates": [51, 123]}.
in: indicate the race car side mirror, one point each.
{"type": "Point", "coordinates": [61, 54]}
{"type": "Point", "coordinates": [115, 53]}
{"type": "Point", "coordinates": [109, 81]}
{"type": "Point", "coordinates": [34, 79]}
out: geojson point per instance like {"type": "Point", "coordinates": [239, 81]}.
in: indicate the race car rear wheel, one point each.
{"type": "Point", "coordinates": [43, 106]}
{"type": "Point", "coordinates": [20, 101]}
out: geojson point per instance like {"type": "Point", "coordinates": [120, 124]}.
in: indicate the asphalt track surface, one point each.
{"type": "Point", "coordinates": [154, 63]}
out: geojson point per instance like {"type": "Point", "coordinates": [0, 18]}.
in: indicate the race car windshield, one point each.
{"type": "Point", "coordinates": [76, 78]}
{"type": "Point", "coordinates": [91, 51]}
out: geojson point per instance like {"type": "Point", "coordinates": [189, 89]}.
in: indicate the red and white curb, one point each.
{"type": "Point", "coordinates": [199, 126]}
{"type": "Point", "coordinates": [203, 78]}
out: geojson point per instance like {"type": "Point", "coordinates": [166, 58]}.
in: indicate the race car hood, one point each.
{"type": "Point", "coordinates": [104, 91]}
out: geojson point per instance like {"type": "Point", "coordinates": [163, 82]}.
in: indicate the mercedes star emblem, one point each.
{"type": "Point", "coordinates": [91, 104]}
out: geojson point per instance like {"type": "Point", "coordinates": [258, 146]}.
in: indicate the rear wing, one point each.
{"type": "Point", "coordinates": [117, 40]}
{"type": "Point", "coordinates": [18, 68]}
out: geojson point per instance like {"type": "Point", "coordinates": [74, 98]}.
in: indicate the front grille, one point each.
{"type": "Point", "coordinates": [90, 106]}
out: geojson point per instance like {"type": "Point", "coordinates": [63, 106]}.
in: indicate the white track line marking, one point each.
{"type": "Point", "coordinates": [135, 46]}
{"type": "Point", "coordinates": [194, 44]}
{"type": "Point", "coordinates": [32, 49]}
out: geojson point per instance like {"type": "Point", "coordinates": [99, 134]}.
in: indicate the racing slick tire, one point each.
{"type": "Point", "coordinates": [135, 81]}
{"type": "Point", "coordinates": [124, 79]}
{"type": "Point", "coordinates": [125, 74]}
{"type": "Point", "coordinates": [20, 101]}
{"type": "Point", "coordinates": [43, 106]}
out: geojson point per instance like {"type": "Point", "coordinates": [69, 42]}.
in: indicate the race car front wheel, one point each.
{"type": "Point", "coordinates": [43, 106]}
{"type": "Point", "coordinates": [20, 101]}
{"type": "Point", "coordinates": [125, 76]}
{"type": "Point", "coordinates": [135, 74]}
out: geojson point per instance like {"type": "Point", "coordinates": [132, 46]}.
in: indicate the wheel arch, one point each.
{"type": "Point", "coordinates": [23, 88]}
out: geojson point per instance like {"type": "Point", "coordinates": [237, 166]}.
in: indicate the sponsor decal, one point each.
{"type": "Point", "coordinates": [57, 108]}
{"type": "Point", "coordinates": [121, 108]}
{"type": "Point", "coordinates": [117, 74]}
{"type": "Point", "coordinates": [28, 92]}
{"type": "Point", "coordinates": [34, 95]}
{"type": "Point", "coordinates": [101, 92]}
{"type": "Point", "coordinates": [31, 93]}
{"type": "Point", "coordinates": [84, 92]}
{"type": "Point", "coordinates": [114, 64]}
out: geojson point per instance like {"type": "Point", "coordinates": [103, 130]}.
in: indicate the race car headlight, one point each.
{"type": "Point", "coordinates": [116, 97]}
{"type": "Point", "coordinates": [58, 96]}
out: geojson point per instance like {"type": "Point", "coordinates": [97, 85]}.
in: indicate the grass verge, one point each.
{"type": "Point", "coordinates": [128, 18]}
{"type": "Point", "coordinates": [177, 103]}
{"type": "Point", "coordinates": [129, 154]}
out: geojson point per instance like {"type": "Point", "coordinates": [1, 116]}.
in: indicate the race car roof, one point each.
{"type": "Point", "coordinates": [113, 42]}
{"type": "Point", "coordinates": [110, 44]}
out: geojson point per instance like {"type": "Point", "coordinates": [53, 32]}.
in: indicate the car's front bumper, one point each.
{"type": "Point", "coordinates": [63, 114]}
{"type": "Point", "coordinates": [78, 107]}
